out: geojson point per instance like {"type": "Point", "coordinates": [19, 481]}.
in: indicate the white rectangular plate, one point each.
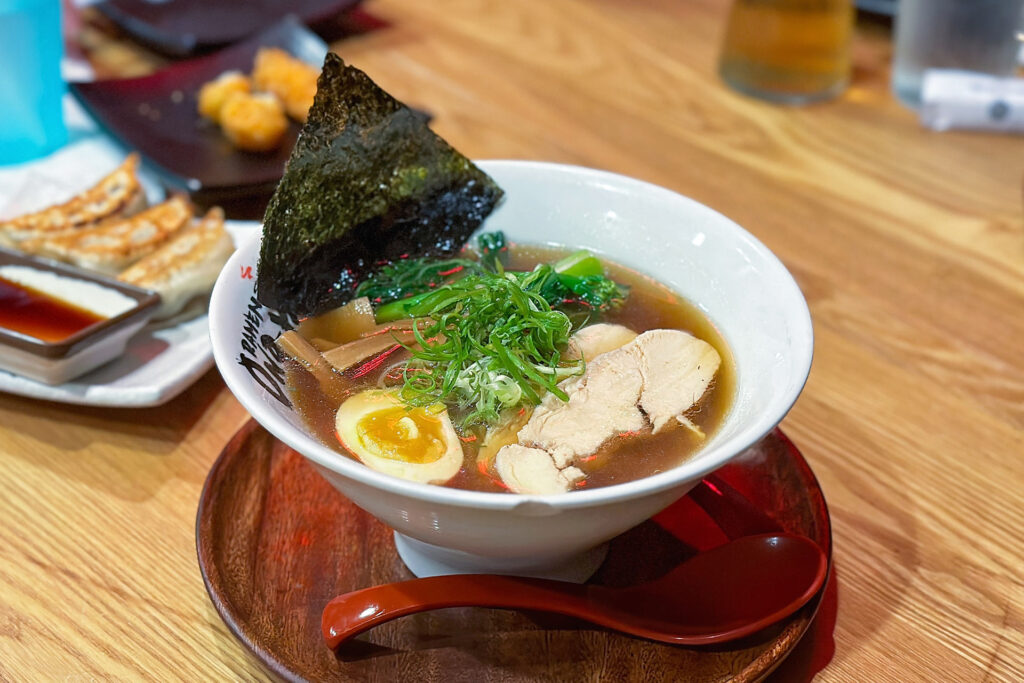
{"type": "Point", "coordinates": [158, 364]}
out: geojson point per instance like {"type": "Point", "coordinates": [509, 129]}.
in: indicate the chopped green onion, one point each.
{"type": "Point", "coordinates": [489, 342]}
{"type": "Point", "coordinates": [489, 339]}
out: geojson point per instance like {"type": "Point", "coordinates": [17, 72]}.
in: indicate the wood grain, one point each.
{"type": "Point", "coordinates": [909, 245]}
{"type": "Point", "coordinates": [277, 542]}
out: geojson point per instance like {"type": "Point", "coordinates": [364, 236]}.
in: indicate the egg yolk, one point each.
{"type": "Point", "coordinates": [414, 436]}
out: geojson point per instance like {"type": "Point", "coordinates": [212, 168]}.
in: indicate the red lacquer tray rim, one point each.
{"type": "Point", "coordinates": [775, 652]}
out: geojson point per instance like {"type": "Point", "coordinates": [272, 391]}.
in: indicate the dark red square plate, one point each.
{"type": "Point", "coordinates": [183, 27]}
{"type": "Point", "coordinates": [157, 115]}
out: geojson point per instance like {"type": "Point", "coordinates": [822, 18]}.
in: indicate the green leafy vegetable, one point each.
{"type": "Point", "coordinates": [408, 277]}
{"type": "Point", "coordinates": [575, 280]}
{"type": "Point", "coordinates": [595, 291]}
{"type": "Point", "coordinates": [579, 264]}
{"type": "Point", "coordinates": [493, 250]}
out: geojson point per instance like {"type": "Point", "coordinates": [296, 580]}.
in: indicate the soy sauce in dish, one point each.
{"type": "Point", "coordinates": [39, 315]}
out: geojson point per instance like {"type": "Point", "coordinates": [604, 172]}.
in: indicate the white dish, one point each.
{"type": "Point", "coordinates": [744, 289]}
{"type": "Point", "coordinates": [120, 311]}
{"type": "Point", "coordinates": [158, 364]}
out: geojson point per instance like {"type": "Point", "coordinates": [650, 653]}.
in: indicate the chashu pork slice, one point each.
{"type": "Point", "coordinates": [112, 246]}
{"type": "Point", "coordinates": [186, 267]}
{"type": "Point", "coordinates": [602, 403]}
{"type": "Point", "coordinates": [677, 368]}
{"type": "Point", "coordinates": [117, 195]}
{"type": "Point", "coordinates": [532, 471]}
{"type": "Point", "coordinates": [591, 341]}
{"type": "Point", "coordinates": [645, 384]}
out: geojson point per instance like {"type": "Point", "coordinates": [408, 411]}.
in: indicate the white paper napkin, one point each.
{"type": "Point", "coordinates": [88, 156]}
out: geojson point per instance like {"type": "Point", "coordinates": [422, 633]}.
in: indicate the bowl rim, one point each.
{"type": "Point", "coordinates": [801, 335]}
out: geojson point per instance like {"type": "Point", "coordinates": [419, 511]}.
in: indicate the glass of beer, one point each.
{"type": "Point", "coordinates": [788, 51]}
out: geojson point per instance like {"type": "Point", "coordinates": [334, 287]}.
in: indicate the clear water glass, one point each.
{"type": "Point", "coordinates": [972, 35]}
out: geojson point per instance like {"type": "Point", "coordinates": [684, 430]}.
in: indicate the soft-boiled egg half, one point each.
{"type": "Point", "coordinates": [412, 443]}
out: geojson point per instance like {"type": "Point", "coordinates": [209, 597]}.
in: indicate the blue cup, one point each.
{"type": "Point", "coordinates": [31, 87]}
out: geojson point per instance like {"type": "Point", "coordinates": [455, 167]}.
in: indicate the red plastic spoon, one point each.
{"type": "Point", "coordinates": [724, 593]}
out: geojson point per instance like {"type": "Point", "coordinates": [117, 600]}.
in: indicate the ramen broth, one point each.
{"type": "Point", "coordinates": [650, 305]}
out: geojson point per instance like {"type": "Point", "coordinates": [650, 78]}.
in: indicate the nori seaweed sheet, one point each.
{"type": "Point", "coordinates": [368, 182]}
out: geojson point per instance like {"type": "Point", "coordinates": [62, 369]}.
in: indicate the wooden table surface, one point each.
{"type": "Point", "coordinates": [908, 245]}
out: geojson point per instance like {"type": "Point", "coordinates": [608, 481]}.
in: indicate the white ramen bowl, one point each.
{"type": "Point", "coordinates": [735, 280]}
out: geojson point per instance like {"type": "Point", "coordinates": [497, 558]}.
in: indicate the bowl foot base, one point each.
{"type": "Point", "coordinates": [424, 559]}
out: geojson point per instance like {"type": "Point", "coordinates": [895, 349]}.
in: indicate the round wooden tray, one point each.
{"type": "Point", "coordinates": [276, 542]}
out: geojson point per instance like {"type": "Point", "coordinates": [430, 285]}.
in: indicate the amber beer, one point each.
{"type": "Point", "coordinates": [790, 51]}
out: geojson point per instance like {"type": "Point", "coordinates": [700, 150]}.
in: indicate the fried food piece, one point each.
{"type": "Point", "coordinates": [185, 267]}
{"type": "Point", "coordinates": [292, 80]}
{"type": "Point", "coordinates": [255, 123]}
{"type": "Point", "coordinates": [215, 94]}
{"type": "Point", "coordinates": [112, 246]}
{"type": "Point", "coordinates": [119, 194]}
